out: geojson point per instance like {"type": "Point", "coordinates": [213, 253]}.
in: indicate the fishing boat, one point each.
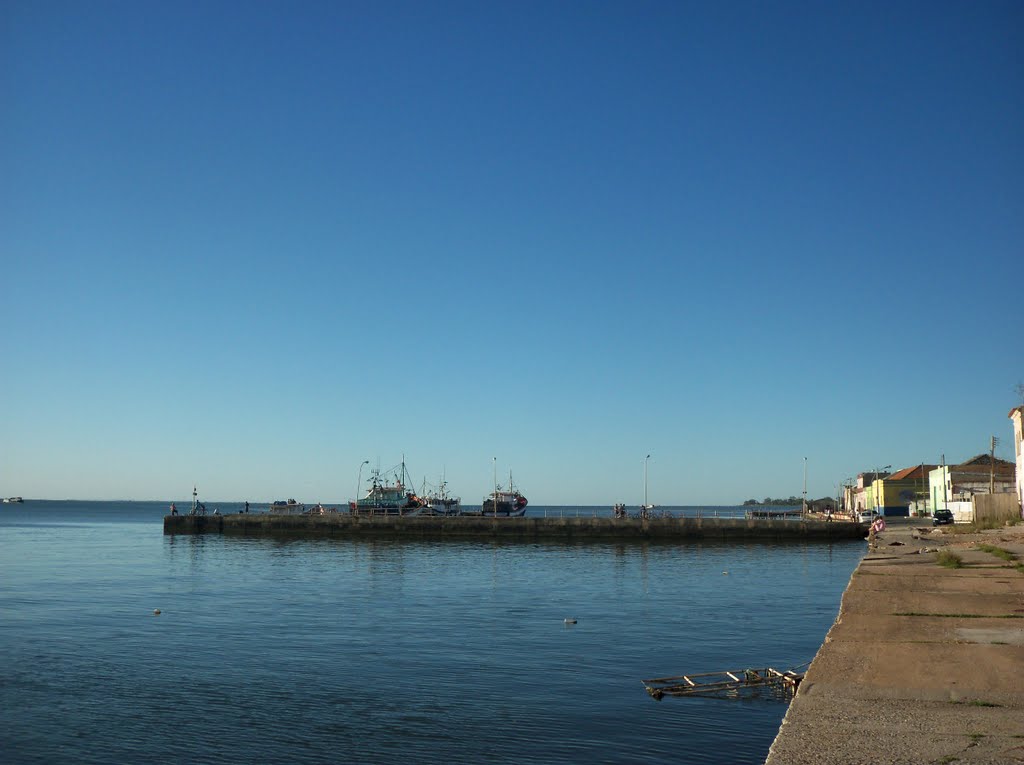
{"type": "Point", "coordinates": [13, 500]}
{"type": "Point", "coordinates": [387, 494]}
{"type": "Point", "coordinates": [287, 506]}
{"type": "Point", "coordinates": [439, 502]}
{"type": "Point", "coordinates": [508, 502]}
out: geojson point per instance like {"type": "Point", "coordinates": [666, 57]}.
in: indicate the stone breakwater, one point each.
{"type": "Point", "coordinates": [570, 529]}
{"type": "Point", "coordinates": [924, 662]}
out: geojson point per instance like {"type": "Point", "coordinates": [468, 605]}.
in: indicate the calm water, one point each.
{"type": "Point", "coordinates": [330, 651]}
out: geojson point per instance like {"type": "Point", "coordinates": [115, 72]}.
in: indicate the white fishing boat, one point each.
{"type": "Point", "coordinates": [287, 506]}
{"type": "Point", "coordinates": [13, 500]}
{"type": "Point", "coordinates": [438, 501]}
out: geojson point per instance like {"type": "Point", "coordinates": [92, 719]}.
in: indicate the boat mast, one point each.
{"type": "Point", "coordinates": [494, 502]}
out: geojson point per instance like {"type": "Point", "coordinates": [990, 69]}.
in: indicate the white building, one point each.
{"type": "Point", "coordinates": [951, 487]}
{"type": "Point", "coordinates": [1017, 415]}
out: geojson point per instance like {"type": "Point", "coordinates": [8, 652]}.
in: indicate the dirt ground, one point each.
{"type": "Point", "coordinates": [925, 663]}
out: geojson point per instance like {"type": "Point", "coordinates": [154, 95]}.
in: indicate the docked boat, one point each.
{"type": "Point", "coordinates": [508, 502]}
{"type": "Point", "coordinates": [287, 506]}
{"type": "Point", "coordinates": [388, 495]}
{"type": "Point", "coordinates": [439, 502]}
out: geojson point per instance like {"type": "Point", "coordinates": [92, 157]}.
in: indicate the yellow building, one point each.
{"type": "Point", "coordinates": [894, 494]}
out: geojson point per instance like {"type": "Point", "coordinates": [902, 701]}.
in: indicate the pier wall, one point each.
{"type": "Point", "coordinates": [527, 528]}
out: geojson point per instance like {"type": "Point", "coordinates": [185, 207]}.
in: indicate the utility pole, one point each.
{"type": "Point", "coordinates": [992, 466]}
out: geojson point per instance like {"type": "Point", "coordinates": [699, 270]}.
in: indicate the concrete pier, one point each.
{"type": "Point", "coordinates": [924, 663]}
{"type": "Point", "coordinates": [527, 528]}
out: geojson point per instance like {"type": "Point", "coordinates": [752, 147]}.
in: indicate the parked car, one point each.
{"type": "Point", "coordinates": [942, 517]}
{"type": "Point", "coordinates": [867, 516]}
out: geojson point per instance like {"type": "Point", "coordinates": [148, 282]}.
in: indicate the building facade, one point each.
{"type": "Point", "coordinates": [1017, 415]}
{"type": "Point", "coordinates": [893, 495]}
{"type": "Point", "coordinates": [949, 484]}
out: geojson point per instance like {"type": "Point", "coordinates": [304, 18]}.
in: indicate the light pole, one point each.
{"type": "Point", "coordinates": [645, 482]}
{"type": "Point", "coordinates": [359, 480]}
{"type": "Point", "coordinates": [803, 510]}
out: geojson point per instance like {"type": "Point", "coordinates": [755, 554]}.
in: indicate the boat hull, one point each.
{"type": "Point", "coordinates": [510, 509]}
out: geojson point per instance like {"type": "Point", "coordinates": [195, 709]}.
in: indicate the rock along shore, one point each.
{"type": "Point", "coordinates": [527, 528]}
{"type": "Point", "coordinates": [924, 664]}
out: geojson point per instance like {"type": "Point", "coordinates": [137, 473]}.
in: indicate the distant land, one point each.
{"type": "Point", "coordinates": [769, 501]}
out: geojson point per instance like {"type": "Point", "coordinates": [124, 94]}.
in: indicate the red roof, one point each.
{"type": "Point", "coordinates": [911, 472]}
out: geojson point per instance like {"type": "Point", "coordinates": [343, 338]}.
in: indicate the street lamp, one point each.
{"type": "Point", "coordinates": [803, 508]}
{"type": "Point", "coordinates": [359, 480]}
{"type": "Point", "coordinates": [646, 507]}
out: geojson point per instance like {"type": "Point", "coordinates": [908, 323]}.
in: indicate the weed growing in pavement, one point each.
{"type": "Point", "coordinates": [948, 559]}
{"type": "Point", "coordinates": [999, 552]}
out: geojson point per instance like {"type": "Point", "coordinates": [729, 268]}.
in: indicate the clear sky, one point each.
{"type": "Point", "coordinates": [250, 245]}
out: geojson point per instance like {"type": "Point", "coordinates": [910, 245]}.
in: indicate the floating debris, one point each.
{"type": "Point", "coordinates": [156, 612]}
{"type": "Point", "coordinates": [570, 621]}
{"type": "Point", "coordinates": [726, 684]}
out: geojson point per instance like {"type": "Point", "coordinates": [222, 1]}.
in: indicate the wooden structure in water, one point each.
{"type": "Point", "coordinates": [728, 684]}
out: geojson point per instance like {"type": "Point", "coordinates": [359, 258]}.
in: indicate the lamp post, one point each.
{"type": "Point", "coordinates": [645, 507]}
{"type": "Point", "coordinates": [803, 510]}
{"type": "Point", "coordinates": [359, 480]}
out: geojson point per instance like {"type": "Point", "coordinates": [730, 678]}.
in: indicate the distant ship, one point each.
{"type": "Point", "coordinates": [12, 500]}
{"type": "Point", "coordinates": [439, 502]}
{"type": "Point", "coordinates": [508, 502]}
{"type": "Point", "coordinates": [387, 495]}
{"type": "Point", "coordinates": [286, 506]}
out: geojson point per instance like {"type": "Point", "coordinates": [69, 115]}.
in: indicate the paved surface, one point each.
{"type": "Point", "coordinates": [924, 664]}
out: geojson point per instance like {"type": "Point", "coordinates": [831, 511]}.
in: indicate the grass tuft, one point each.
{"type": "Point", "coordinates": [948, 559]}
{"type": "Point", "coordinates": [999, 552]}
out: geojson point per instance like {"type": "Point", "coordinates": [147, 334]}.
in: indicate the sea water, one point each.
{"type": "Point", "coordinates": [374, 651]}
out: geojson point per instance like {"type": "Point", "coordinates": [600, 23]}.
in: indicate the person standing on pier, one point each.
{"type": "Point", "coordinates": [174, 509]}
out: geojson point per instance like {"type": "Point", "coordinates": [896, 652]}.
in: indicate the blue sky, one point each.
{"type": "Point", "coordinates": [250, 245]}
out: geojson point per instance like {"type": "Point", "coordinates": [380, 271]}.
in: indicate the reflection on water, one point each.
{"type": "Point", "coordinates": [306, 650]}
